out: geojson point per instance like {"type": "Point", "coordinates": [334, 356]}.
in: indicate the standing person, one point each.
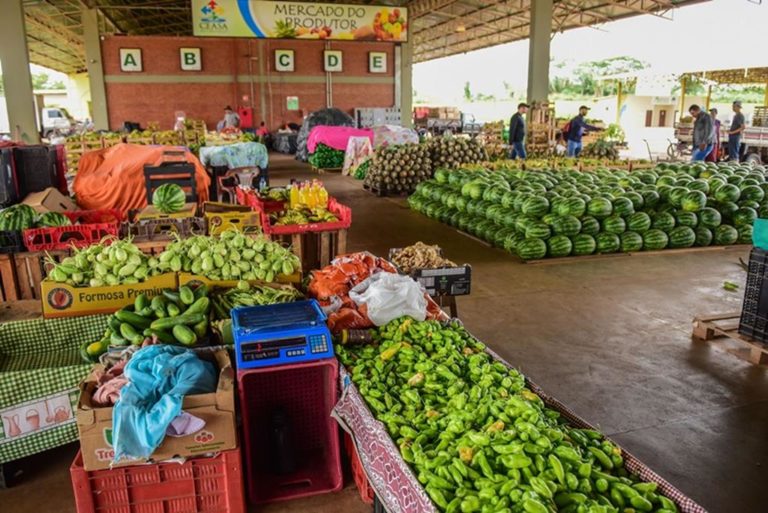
{"type": "Point", "coordinates": [517, 133]}
{"type": "Point", "coordinates": [703, 133]}
{"type": "Point", "coordinates": [734, 134]}
{"type": "Point", "coordinates": [715, 153]}
{"type": "Point", "coordinates": [231, 119]}
{"type": "Point", "coordinates": [575, 129]}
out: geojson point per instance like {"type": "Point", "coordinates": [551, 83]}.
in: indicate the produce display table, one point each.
{"type": "Point", "coordinates": [335, 137]}
{"type": "Point", "coordinates": [246, 154]}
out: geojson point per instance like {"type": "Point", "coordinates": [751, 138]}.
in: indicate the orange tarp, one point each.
{"type": "Point", "coordinates": [114, 177]}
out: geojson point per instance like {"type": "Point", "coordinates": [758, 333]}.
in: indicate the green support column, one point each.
{"type": "Point", "coordinates": [538, 52]}
{"type": "Point", "coordinates": [17, 78]}
{"type": "Point", "coordinates": [404, 89]}
{"type": "Point", "coordinates": [95, 68]}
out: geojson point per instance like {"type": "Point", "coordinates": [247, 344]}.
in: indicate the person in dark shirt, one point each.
{"type": "Point", "coordinates": [517, 133]}
{"type": "Point", "coordinates": [714, 154]}
{"type": "Point", "coordinates": [577, 127]}
{"type": "Point", "coordinates": [734, 134]}
{"type": "Point", "coordinates": [703, 133]}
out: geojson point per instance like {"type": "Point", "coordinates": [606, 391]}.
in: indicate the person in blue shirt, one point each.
{"type": "Point", "coordinates": [517, 133]}
{"type": "Point", "coordinates": [576, 129]}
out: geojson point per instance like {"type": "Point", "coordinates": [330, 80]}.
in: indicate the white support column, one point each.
{"type": "Point", "coordinates": [17, 78]}
{"type": "Point", "coordinates": [538, 52]}
{"type": "Point", "coordinates": [405, 86]}
{"type": "Point", "coordinates": [90, 20]}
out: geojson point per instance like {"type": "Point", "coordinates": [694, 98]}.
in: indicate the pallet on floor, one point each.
{"type": "Point", "coordinates": [323, 170]}
{"type": "Point", "coordinates": [707, 328]}
{"type": "Point", "coordinates": [575, 259]}
{"type": "Point", "coordinates": [381, 193]}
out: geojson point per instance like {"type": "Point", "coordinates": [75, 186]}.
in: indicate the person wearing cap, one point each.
{"type": "Point", "coordinates": [734, 134]}
{"type": "Point", "coordinates": [703, 134]}
{"type": "Point", "coordinates": [715, 153]}
{"type": "Point", "coordinates": [517, 132]}
{"type": "Point", "coordinates": [576, 129]}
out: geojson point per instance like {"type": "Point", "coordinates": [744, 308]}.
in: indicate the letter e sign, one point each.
{"type": "Point", "coordinates": [377, 62]}
{"type": "Point", "coordinates": [332, 61]}
{"type": "Point", "coordinates": [191, 59]}
{"type": "Point", "coordinates": [284, 60]}
{"type": "Point", "coordinates": [130, 59]}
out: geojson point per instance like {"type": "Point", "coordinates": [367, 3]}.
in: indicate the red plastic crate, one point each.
{"type": "Point", "coordinates": [200, 485]}
{"type": "Point", "coordinates": [306, 392]}
{"type": "Point", "coordinates": [342, 212]}
{"type": "Point", "coordinates": [367, 494]}
{"type": "Point", "coordinates": [95, 225]}
{"type": "Point", "coordinates": [253, 200]}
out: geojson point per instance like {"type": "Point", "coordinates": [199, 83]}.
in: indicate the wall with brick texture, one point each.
{"type": "Point", "coordinates": [238, 72]}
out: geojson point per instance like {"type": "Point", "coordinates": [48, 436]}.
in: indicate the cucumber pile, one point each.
{"type": "Point", "coordinates": [173, 317]}
{"type": "Point", "coordinates": [548, 213]}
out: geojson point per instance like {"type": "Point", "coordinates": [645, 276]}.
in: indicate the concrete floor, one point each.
{"type": "Point", "coordinates": [608, 337]}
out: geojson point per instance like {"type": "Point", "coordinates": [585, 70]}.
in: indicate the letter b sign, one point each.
{"type": "Point", "coordinates": [191, 59]}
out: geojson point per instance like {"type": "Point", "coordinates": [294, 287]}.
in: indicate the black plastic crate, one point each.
{"type": "Point", "coordinates": [754, 311]}
{"type": "Point", "coordinates": [444, 281]}
{"type": "Point", "coordinates": [11, 242]}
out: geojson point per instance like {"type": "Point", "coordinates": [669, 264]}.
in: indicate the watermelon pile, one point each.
{"type": "Point", "coordinates": [17, 218]}
{"type": "Point", "coordinates": [562, 213]}
{"type": "Point", "coordinates": [169, 198]}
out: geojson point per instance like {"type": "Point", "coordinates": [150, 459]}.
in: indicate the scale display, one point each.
{"type": "Point", "coordinates": [280, 334]}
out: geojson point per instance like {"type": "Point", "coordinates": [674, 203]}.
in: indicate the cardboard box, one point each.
{"type": "Point", "coordinates": [151, 212]}
{"type": "Point", "coordinates": [194, 279]}
{"type": "Point", "coordinates": [217, 409]}
{"type": "Point", "coordinates": [223, 216]}
{"type": "Point", "coordinates": [49, 200]}
{"type": "Point", "coordinates": [62, 300]}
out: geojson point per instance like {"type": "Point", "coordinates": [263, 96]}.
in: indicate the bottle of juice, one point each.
{"type": "Point", "coordinates": [314, 198]}
{"type": "Point", "coordinates": [303, 194]}
{"type": "Point", "coordinates": [294, 195]}
{"type": "Point", "coordinates": [322, 195]}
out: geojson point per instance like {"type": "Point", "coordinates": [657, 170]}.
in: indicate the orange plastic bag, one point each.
{"type": "Point", "coordinates": [114, 177]}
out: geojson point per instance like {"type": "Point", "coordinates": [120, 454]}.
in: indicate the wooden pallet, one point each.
{"type": "Point", "coordinates": [601, 256]}
{"type": "Point", "coordinates": [707, 328]}
{"type": "Point", "coordinates": [381, 193]}
{"type": "Point", "coordinates": [323, 170]}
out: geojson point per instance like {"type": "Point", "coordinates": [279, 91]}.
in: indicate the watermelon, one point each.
{"type": "Point", "coordinates": [566, 225]}
{"type": "Point", "coordinates": [728, 192]}
{"type": "Point", "coordinates": [699, 185]}
{"type": "Point", "coordinates": [607, 242]}
{"type": "Point", "coordinates": [531, 249]}
{"type": "Point", "coordinates": [583, 244]}
{"type": "Point", "coordinates": [703, 236]}
{"type": "Point", "coordinates": [694, 201]}
{"type": "Point", "coordinates": [18, 217]}
{"type": "Point", "coordinates": [169, 198]}
{"type": "Point", "coordinates": [682, 237]}
{"type": "Point", "coordinates": [631, 241]}
{"type": "Point", "coordinates": [687, 219]}
{"type": "Point", "coordinates": [538, 230]}
{"type": "Point", "coordinates": [744, 216]}
{"type": "Point", "coordinates": [623, 206]}
{"type": "Point", "coordinates": [53, 219]}
{"type": "Point", "coordinates": [663, 221]}
{"type": "Point", "coordinates": [522, 223]}
{"type": "Point", "coordinates": [676, 195]}
{"type": "Point", "coordinates": [710, 217]}
{"type": "Point", "coordinates": [639, 222]}
{"type": "Point", "coordinates": [614, 224]}
{"type": "Point", "coordinates": [726, 235]}
{"type": "Point", "coordinates": [590, 225]}
{"type": "Point", "coordinates": [727, 209]}
{"type": "Point", "coordinates": [655, 239]}
{"type": "Point", "coordinates": [752, 193]}
{"type": "Point", "coordinates": [559, 246]}
{"type": "Point", "coordinates": [600, 208]}
{"type": "Point", "coordinates": [573, 207]}
{"type": "Point", "coordinates": [651, 198]}
{"type": "Point", "coordinates": [511, 242]}
{"type": "Point", "coordinates": [636, 198]}
{"type": "Point", "coordinates": [745, 234]}
{"type": "Point", "coordinates": [536, 206]}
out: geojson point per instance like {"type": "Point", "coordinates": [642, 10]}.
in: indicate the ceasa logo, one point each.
{"type": "Point", "coordinates": [204, 437]}
{"type": "Point", "coordinates": [212, 13]}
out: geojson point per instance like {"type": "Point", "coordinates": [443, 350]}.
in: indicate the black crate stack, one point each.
{"type": "Point", "coordinates": [754, 312]}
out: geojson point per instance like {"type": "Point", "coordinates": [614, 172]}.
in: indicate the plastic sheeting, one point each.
{"type": "Point", "coordinates": [391, 134]}
{"type": "Point", "coordinates": [335, 137]}
{"type": "Point", "coordinates": [327, 117]}
{"type": "Point", "coordinates": [245, 154]}
{"type": "Point", "coordinates": [359, 151]}
{"type": "Point", "coordinates": [114, 177]}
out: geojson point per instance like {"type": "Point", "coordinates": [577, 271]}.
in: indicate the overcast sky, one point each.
{"type": "Point", "coordinates": [717, 34]}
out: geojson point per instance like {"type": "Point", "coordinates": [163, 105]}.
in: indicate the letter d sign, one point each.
{"type": "Point", "coordinates": [333, 63]}
{"type": "Point", "coordinates": [191, 59]}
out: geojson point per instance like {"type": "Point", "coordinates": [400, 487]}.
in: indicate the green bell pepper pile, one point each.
{"type": "Point", "coordinates": [477, 438]}
{"type": "Point", "coordinates": [325, 157]}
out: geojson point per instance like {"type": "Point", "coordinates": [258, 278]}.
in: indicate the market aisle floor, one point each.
{"type": "Point", "coordinates": [610, 338]}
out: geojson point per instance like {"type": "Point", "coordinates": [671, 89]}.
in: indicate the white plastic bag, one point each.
{"type": "Point", "coordinates": [389, 296]}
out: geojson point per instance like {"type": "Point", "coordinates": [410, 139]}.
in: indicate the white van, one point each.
{"type": "Point", "coordinates": [54, 119]}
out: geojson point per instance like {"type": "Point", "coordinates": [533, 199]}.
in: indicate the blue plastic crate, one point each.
{"type": "Point", "coordinates": [280, 334]}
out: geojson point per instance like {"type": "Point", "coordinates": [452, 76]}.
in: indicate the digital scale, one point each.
{"type": "Point", "coordinates": [280, 334]}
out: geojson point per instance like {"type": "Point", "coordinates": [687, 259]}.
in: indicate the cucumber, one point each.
{"type": "Point", "coordinates": [141, 302]}
{"type": "Point", "coordinates": [114, 323]}
{"type": "Point", "coordinates": [199, 306]}
{"type": "Point", "coordinates": [201, 328]}
{"type": "Point", "coordinates": [116, 339]}
{"type": "Point", "coordinates": [84, 352]}
{"type": "Point", "coordinates": [135, 320]}
{"type": "Point", "coordinates": [130, 334]}
{"type": "Point", "coordinates": [163, 336]}
{"type": "Point", "coordinates": [186, 295]}
{"type": "Point", "coordinates": [201, 291]}
{"type": "Point", "coordinates": [173, 310]}
{"type": "Point", "coordinates": [170, 322]}
{"type": "Point", "coordinates": [172, 296]}
{"type": "Point", "coordinates": [147, 312]}
{"type": "Point", "coordinates": [184, 335]}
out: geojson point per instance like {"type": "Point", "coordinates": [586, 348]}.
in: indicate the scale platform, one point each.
{"type": "Point", "coordinates": [280, 334]}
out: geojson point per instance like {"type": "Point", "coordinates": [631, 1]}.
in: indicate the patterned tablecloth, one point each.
{"type": "Point", "coordinates": [245, 154]}
{"type": "Point", "coordinates": [395, 484]}
{"type": "Point", "coordinates": [359, 151]}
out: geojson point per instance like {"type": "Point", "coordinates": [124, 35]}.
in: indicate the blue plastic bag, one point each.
{"type": "Point", "coordinates": [159, 377]}
{"type": "Point", "coordinates": [760, 234]}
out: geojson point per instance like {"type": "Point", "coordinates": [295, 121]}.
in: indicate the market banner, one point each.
{"type": "Point", "coordinates": [298, 20]}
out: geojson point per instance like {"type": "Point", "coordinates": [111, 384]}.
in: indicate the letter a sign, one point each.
{"type": "Point", "coordinates": [191, 60]}
{"type": "Point", "coordinates": [130, 59]}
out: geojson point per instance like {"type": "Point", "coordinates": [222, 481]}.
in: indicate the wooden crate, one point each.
{"type": "Point", "coordinates": [708, 328]}
{"type": "Point", "coordinates": [315, 249]}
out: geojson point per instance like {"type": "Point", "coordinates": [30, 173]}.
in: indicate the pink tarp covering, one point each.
{"type": "Point", "coordinates": [335, 137]}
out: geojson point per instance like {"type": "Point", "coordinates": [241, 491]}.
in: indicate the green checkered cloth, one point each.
{"type": "Point", "coordinates": [39, 359]}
